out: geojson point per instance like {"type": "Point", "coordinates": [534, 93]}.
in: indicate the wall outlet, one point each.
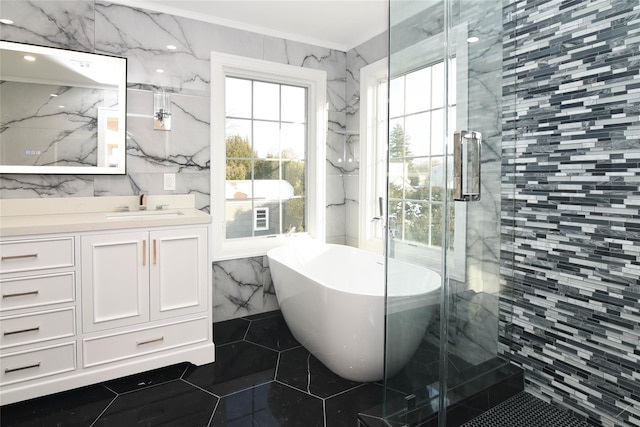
{"type": "Point", "coordinates": [170, 181]}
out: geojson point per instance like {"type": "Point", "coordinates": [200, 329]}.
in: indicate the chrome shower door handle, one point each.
{"type": "Point", "coordinates": [467, 146]}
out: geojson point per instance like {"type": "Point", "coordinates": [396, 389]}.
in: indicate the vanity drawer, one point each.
{"type": "Point", "coordinates": [29, 365]}
{"type": "Point", "coordinates": [115, 347]}
{"type": "Point", "coordinates": [34, 291]}
{"type": "Point", "coordinates": [37, 327]}
{"type": "Point", "coordinates": [27, 255]}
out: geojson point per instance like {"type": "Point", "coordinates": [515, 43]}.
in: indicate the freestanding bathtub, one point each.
{"type": "Point", "coordinates": [332, 298]}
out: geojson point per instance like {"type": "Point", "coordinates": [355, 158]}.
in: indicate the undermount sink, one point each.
{"type": "Point", "coordinates": [143, 214]}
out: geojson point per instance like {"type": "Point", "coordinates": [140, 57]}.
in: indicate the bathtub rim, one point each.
{"type": "Point", "coordinates": [430, 286]}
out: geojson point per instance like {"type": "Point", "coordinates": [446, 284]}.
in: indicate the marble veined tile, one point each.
{"type": "Point", "coordinates": [238, 287]}
{"type": "Point", "coordinates": [336, 140]}
{"type": "Point", "coordinates": [75, 407]}
{"type": "Point", "coordinates": [143, 36]}
{"type": "Point", "coordinates": [170, 403]}
{"type": "Point", "coordinates": [300, 369]}
{"type": "Point", "coordinates": [13, 186]}
{"type": "Point", "coordinates": [238, 366]}
{"type": "Point", "coordinates": [184, 148]}
{"type": "Point", "coordinates": [271, 332]}
{"type": "Point", "coordinates": [271, 404]}
{"type": "Point", "coordinates": [49, 23]}
{"type": "Point", "coordinates": [313, 57]}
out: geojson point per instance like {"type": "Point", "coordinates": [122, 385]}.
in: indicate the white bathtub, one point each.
{"type": "Point", "coordinates": [333, 300]}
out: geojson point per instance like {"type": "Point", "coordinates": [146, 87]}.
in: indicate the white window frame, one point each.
{"type": "Point", "coordinates": [370, 76]}
{"type": "Point", "coordinates": [408, 59]}
{"type": "Point", "coordinates": [315, 81]}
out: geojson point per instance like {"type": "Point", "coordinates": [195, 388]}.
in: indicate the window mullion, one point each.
{"type": "Point", "coordinates": [252, 155]}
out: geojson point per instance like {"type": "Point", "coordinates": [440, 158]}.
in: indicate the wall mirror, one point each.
{"type": "Point", "coordinates": [61, 111]}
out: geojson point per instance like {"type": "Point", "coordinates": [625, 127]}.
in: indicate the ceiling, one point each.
{"type": "Point", "coordinates": [336, 24]}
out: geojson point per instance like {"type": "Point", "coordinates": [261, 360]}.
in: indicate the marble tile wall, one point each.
{"type": "Point", "coordinates": [570, 200]}
{"type": "Point", "coordinates": [361, 56]}
{"type": "Point", "coordinates": [141, 36]}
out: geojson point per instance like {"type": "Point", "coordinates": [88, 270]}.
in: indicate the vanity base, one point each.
{"type": "Point", "coordinates": [90, 294]}
{"type": "Point", "coordinates": [200, 354]}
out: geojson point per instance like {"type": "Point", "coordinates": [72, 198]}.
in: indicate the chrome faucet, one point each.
{"type": "Point", "coordinates": [143, 202]}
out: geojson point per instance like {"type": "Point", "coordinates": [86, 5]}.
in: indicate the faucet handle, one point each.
{"type": "Point", "coordinates": [161, 207]}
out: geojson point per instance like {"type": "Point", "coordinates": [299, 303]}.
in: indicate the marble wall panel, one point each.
{"type": "Point", "coordinates": [358, 57]}
{"type": "Point", "coordinates": [69, 24]}
{"type": "Point", "coordinates": [242, 287]}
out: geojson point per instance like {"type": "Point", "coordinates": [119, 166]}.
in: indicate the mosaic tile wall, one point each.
{"type": "Point", "coordinates": [570, 200]}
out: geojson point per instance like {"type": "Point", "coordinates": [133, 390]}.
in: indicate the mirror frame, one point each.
{"type": "Point", "coordinates": [121, 113]}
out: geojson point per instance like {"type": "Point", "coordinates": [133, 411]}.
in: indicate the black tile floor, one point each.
{"type": "Point", "coordinates": [261, 377]}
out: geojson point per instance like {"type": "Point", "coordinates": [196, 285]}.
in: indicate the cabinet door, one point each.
{"type": "Point", "coordinates": [179, 268]}
{"type": "Point", "coordinates": [115, 280]}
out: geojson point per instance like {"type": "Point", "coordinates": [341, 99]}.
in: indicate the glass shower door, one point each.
{"type": "Point", "coordinates": [472, 306]}
{"type": "Point", "coordinates": [443, 243]}
{"type": "Point", "coordinates": [417, 210]}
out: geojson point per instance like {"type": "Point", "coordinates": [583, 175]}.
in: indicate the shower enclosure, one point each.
{"type": "Point", "coordinates": [445, 102]}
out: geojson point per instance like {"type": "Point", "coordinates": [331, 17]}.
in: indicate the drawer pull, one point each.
{"type": "Point", "coordinates": [150, 341]}
{"type": "Point", "coordinates": [10, 257]}
{"type": "Point", "coordinates": [21, 368]}
{"type": "Point", "coordinates": [144, 252]}
{"type": "Point", "coordinates": [22, 331]}
{"type": "Point", "coordinates": [20, 294]}
{"type": "Point", "coordinates": [155, 256]}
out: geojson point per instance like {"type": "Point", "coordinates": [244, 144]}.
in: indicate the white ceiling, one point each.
{"type": "Point", "coordinates": [336, 24]}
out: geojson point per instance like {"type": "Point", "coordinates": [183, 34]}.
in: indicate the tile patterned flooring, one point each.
{"type": "Point", "coordinates": [262, 377]}
{"type": "Point", "coordinates": [525, 410]}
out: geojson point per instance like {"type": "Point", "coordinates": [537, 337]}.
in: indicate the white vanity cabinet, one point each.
{"type": "Point", "coordinates": [102, 300]}
{"type": "Point", "coordinates": [135, 277]}
{"type": "Point", "coordinates": [115, 280]}
{"type": "Point", "coordinates": [37, 309]}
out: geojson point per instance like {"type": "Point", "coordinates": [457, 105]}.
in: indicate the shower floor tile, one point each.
{"type": "Point", "coordinates": [525, 410]}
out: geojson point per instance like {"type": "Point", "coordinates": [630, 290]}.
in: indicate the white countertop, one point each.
{"type": "Point", "coordinates": [25, 217]}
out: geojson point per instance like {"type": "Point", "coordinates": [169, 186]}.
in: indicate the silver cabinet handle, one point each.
{"type": "Point", "coordinates": [10, 257]}
{"type": "Point", "coordinates": [467, 146]}
{"type": "Point", "coordinates": [21, 294]}
{"type": "Point", "coordinates": [21, 331]}
{"type": "Point", "coordinates": [150, 341]}
{"type": "Point", "coordinates": [21, 368]}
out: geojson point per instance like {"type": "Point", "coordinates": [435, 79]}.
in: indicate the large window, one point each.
{"type": "Point", "coordinates": [266, 140]}
{"type": "Point", "coordinates": [417, 181]}
{"type": "Point", "coordinates": [268, 127]}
